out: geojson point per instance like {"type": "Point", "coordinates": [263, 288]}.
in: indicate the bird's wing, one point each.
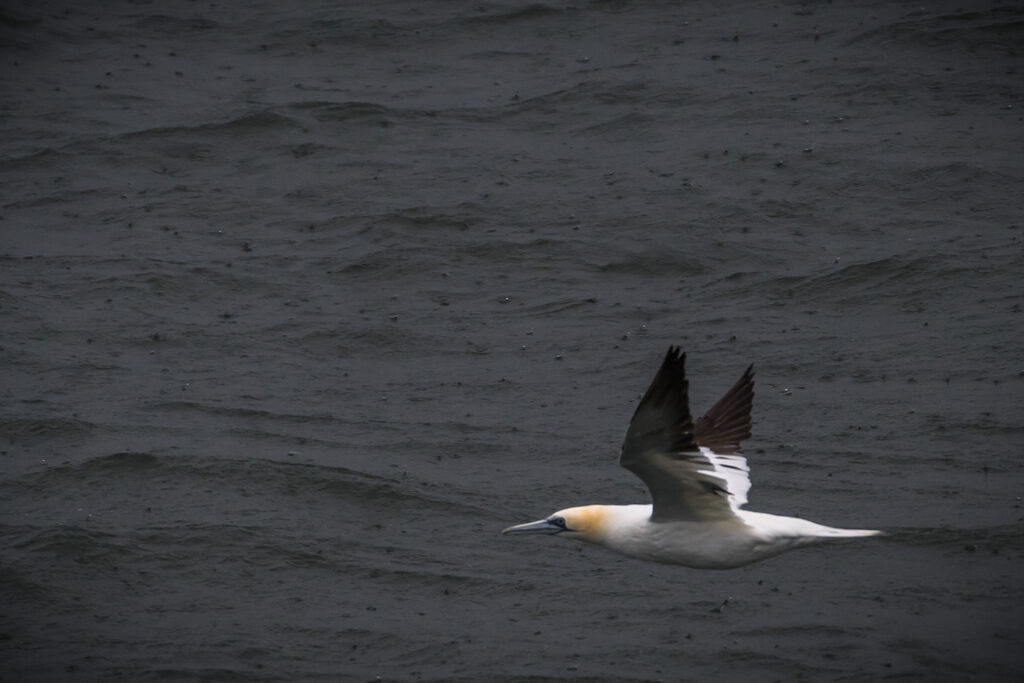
{"type": "Point", "coordinates": [721, 431]}
{"type": "Point", "coordinates": [678, 459]}
{"type": "Point", "coordinates": [727, 424]}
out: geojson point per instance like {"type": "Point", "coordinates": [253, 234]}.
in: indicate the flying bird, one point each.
{"type": "Point", "coordinates": [698, 480]}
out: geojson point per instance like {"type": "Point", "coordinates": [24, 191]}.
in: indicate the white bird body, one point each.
{"type": "Point", "coordinates": [699, 482]}
{"type": "Point", "coordinates": [721, 544]}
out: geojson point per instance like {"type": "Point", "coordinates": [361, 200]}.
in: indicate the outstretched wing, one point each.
{"type": "Point", "coordinates": [694, 471]}
{"type": "Point", "coordinates": [727, 424]}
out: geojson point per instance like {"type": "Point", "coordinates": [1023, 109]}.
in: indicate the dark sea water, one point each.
{"type": "Point", "coordinates": [302, 303]}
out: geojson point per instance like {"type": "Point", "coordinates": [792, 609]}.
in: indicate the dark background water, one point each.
{"type": "Point", "coordinates": [301, 303]}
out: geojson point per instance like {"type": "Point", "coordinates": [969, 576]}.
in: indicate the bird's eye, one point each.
{"type": "Point", "coordinates": [558, 521]}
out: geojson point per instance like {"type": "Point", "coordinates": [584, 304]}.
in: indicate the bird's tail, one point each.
{"type": "Point", "coordinates": [801, 530]}
{"type": "Point", "coordinates": [830, 532]}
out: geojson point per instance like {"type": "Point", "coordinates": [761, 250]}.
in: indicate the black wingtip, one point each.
{"type": "Point", "coordinates": [670, 387]}
{"type": "Point", "coordinates": [727, 424]}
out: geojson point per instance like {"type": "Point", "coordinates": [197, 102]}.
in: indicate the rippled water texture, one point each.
{"type": "Point", "coordinates": [301, 303]}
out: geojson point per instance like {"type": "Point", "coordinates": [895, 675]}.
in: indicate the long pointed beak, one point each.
{"type": "Point", "coordinates": [541, 526]}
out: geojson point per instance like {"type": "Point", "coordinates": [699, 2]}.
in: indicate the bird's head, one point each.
{"type": "Point", "coordinates": [588, 523]}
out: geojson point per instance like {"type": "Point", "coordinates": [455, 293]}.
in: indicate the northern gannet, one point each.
{"type": "Point", "coordinates": [698, 481]}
